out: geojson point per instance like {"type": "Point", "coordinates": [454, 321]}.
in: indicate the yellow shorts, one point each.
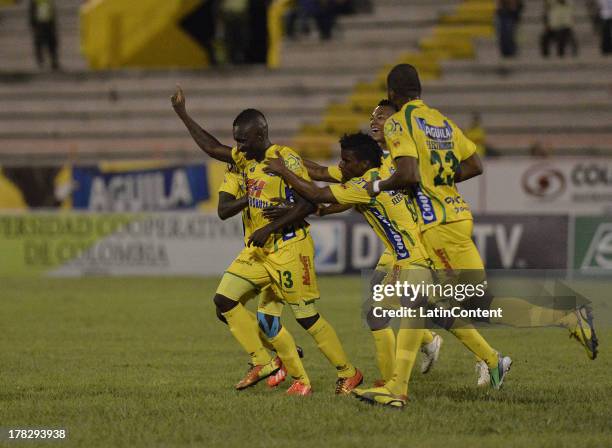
{"type": "Point", "coordinates": [272, 305]}
{"type": "Point", "coordinates": [288, 272]}
{"type": "Point", "coordinates": [450, 246]}
{"type": "Point", "coordinates": [269, 303]}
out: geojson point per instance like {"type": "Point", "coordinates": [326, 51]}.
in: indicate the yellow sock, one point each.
{"type": "Point", "coordinates": [474, 341]}
{"type": "Point", "coordinates": [327, 340]}
{"type": "Point", "coordinates": [245, 330]}
{"type": "Point", "coordinates": [408, 344]}
{"type": "Point", "coordinates": [427, 337]}
{"type": "Point", "coordinates": [285, 347]}
{"type": "Point", "coordinates": [262, 337]}
{"type": "Point", "coordinates": [521, 313]}
{"type": "Point", "coordinates": [384, 341]}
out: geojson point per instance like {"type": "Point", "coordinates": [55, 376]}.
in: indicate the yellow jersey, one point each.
{"type": "Point", "coordinates": [439, 145]}
{"type": "Point", "coordinates": [261, 188]}
{"type": "Point", "coordinates": [234, 184]}
{"type": "Point", "coordinates": [390, 214]}
{"type": "Point", "coordinates": [334, 172]}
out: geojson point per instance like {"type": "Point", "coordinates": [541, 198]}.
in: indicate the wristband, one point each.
{"type": "Point", "coordinates": [376, 186]}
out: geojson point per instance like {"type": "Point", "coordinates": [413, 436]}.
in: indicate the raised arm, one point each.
{"type": "Point", "coordinates": [209, 144]}
{"type": "Point", "coordinates": [332, 209]}
{"type": "Point", "coordinates": [229, 205]}
{"type": "Point", "coordinates": [468, 168]}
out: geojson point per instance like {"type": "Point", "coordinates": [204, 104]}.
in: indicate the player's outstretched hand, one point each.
{"type": "Point", "coordinates": [178, 100]}
{"type": "Point", "coordinates": [280, 208]}
{"type": "Point", "coordinates": [275, 166]}
{"type": "Point", "coordinates": [259, 237]}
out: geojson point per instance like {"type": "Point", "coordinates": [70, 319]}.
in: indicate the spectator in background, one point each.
{"type": "Point", "coordinates": [324, 13]}
{"type": "Point", "coordinates": [558, 27]}
{"type": "Point", "coordinates": [507, 17]}
{"type": "Point", "coordinates": [298, 19]}
{"type": "Point", "coordinates": [605, 13]}
{"type": "Point", "coordinates": [476, 133]}
{"type": "Point", "coordinates": [257, 51]}
{"type": "Point", "coordinates": [209, 29]}
{"type": "Point", "coordinates": [44, 31]}
{"type": "Point", "coordinates": [236, 30]}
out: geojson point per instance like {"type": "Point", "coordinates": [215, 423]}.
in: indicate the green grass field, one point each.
{"type": "Point", "coordinates": [144, 362]}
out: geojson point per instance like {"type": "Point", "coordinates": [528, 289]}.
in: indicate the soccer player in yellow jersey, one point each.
{"type": "Point", "coordinates": [279, 255]}
{"type": "Point", "coordinates": [428, 150]}
{"type": "Point", "coordinates": [432, 155]}
{"type": "Point", "coordinates": [392, 221]}
{"type": "Point", "coordinates": [233, 200]}
{"type": "Point", "coordinates": [382, 333]}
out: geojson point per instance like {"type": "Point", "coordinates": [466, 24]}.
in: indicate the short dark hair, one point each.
{"type": "Point", "coordinates": [364, 146]}
{"type": "Point", "coordinates": [249, 116]}
{"type": "Point", "coordinates": [404, 80]}
{"type": "Point", "coordinates": [387, 103]}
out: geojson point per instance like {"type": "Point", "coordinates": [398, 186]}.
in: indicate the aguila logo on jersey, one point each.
{"type": "Point", "coordinates": [255, 187]}
{"type": "Point", "coordinates": [437, 133]}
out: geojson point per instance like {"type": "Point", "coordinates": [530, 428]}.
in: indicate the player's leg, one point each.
{"type": "Point", "coordinates": [519, 312]}
{"type": "Point", "coordinates": [246, 298]}
{"type": "Point", "coordinates": [451, 249]}
{"type": "Point", "coordinates": [292, 266]}
{"type": "Point", "coordinates": [329, 344]}
{"type": "Point", "coordinates": [384, 336]}
{"type": "Point", "coordinates": [382, 333]}
{"type": "Point", "coordinates": [269, 313]}
{"type": "Point", "coordinates": [409, 337]}
{"type": "Point", "coordinates": [245, 276]}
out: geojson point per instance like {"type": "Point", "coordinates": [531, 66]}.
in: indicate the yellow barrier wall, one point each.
{"type": "Point", "coordinates": [142, 34]}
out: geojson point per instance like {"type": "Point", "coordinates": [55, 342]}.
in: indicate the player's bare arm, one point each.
{"type": "Point", "coordinates": [309, 190]}
{"type": "Point", "coordinates": [468, 168]}
{"type": "Point", "coordinates": [406, 175]}
{"type": "Point", "coordinates": [332, 209]}
{"type": "Point", "coordinates": [208, 143]}
{"type": "Point", "coordinates": [318, 172]}
{"type": "Point", "coordinates": [295, 214]}
{"type": "Point", "coordinates": [229, 205]}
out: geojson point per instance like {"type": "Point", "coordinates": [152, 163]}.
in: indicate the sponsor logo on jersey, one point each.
{"type": "Point", "coordinates": [428, 214]}
{"type": "Point", "coordinates": [436, 133]}
{"type": "Point", "coordinates": [255, 187]}
{"type": "Point", "coordinates": [258, 203]}
{"type": "Point", "coordinates": [306, 266]}
{"type": "Point", "coordinates": [393, 235]}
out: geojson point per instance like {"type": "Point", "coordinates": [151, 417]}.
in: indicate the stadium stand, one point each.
{"type": "Point", "coordinates": [319, 91]}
